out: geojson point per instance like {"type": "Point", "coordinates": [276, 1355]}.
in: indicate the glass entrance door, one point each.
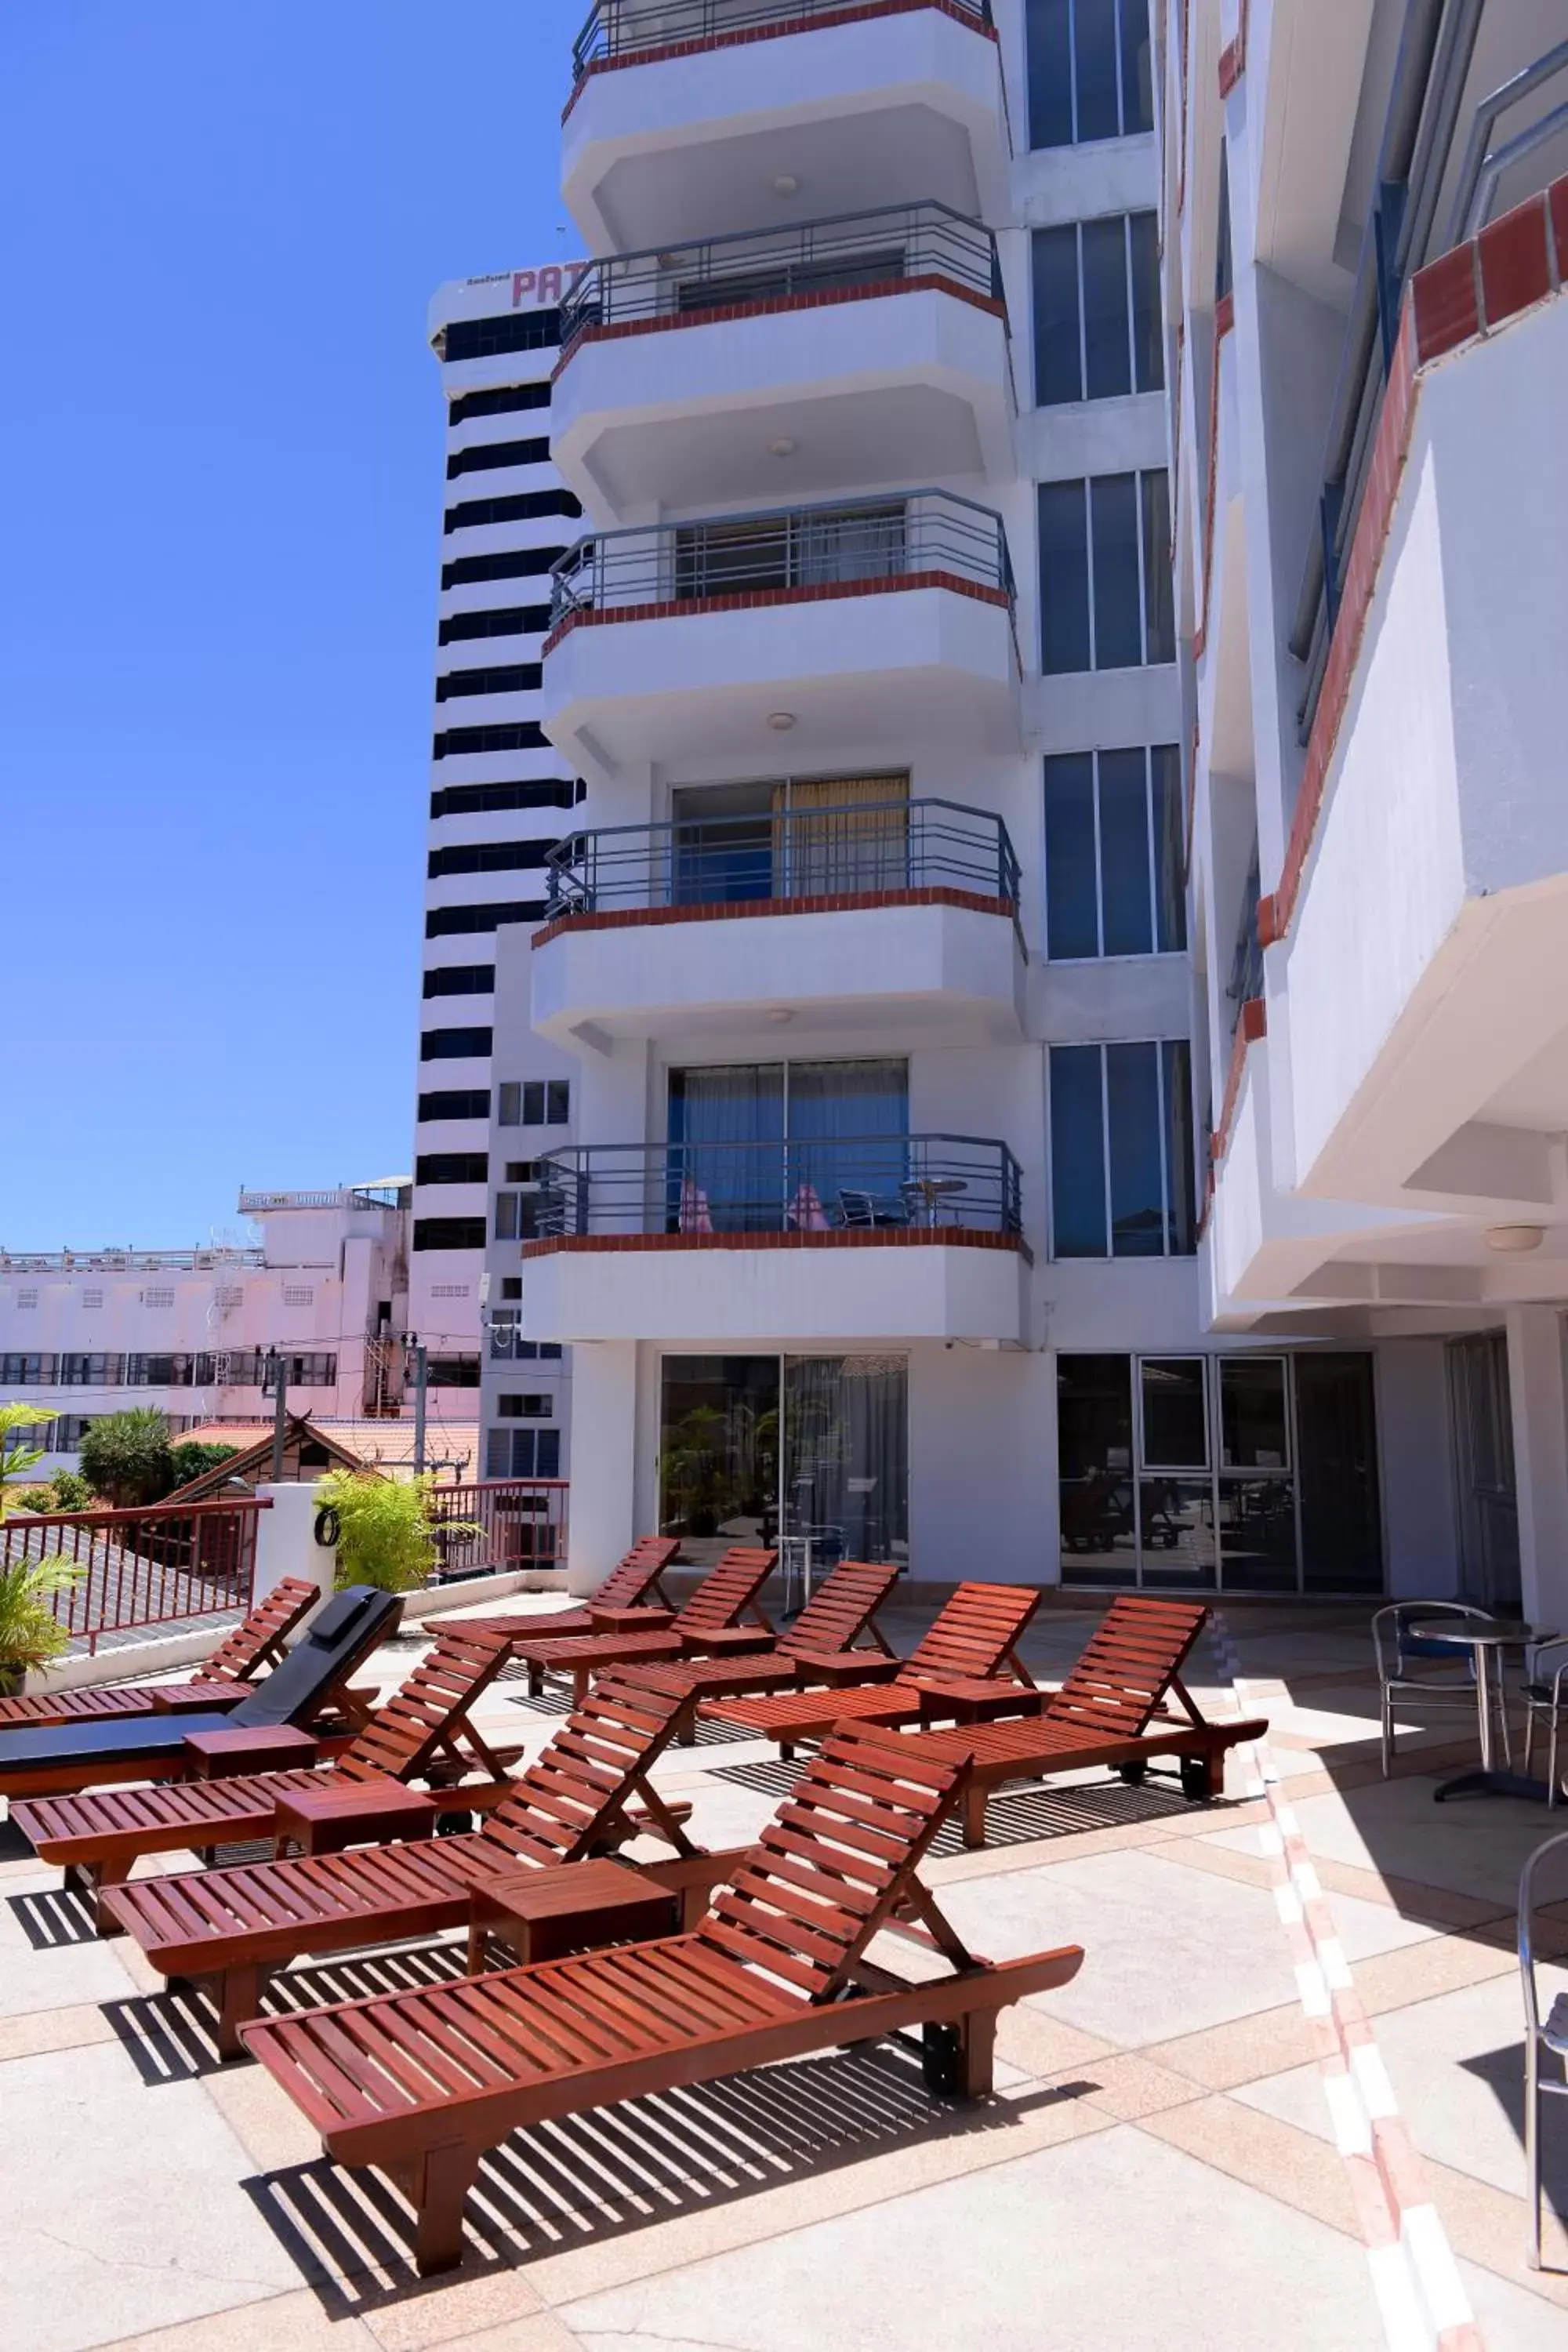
{"type": "Point", "coordinates": [1480, 1406]}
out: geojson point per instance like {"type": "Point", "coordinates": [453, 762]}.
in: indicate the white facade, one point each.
{"type": "Point", "coordinates": [191, 1331]}
{"type": "Point", "coordinates": [1379, 763]}
{"type": "Point", "coordinates": [499, 792]}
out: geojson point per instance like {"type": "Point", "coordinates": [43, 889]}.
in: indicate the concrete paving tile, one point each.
{"type": "Point", "coordinates": [1167, 1951]}
{"type": "Point", "coordinates": [1395, 1828]}
{"type": "Point", "coordinates": [867, 2281]}
{"type": "Point", "coordinates": [48, 1957]}
{"type": "Point", "coordinates": [283, 2323]}
{"type": "Point", "coordinates": [1487, 2227]}
{"type": "Point", "coordinates": [1272, 2153]}
{"type": "Point", "coordinates": [1225, 1861]}
{"type": "Point", "coordinates": [120, 2209]}
{"type": "Point", "coordinates": [545, 2334]}
{"type": "Point", "coordinates": [53, 2029]}
{"type": "Point", "coordinates": [262, 2118]}
{"type": "Point", "coordinates": [481, 2310]}
{"type": "Point", "coordinates": [1241, 2051]}
{"type": "Point", "coordinates": [1423, 1971]}
{"type": "Point", "coordinates": [1129, 2087]}
{"type": "Point", "coordinates": [1043, 2046]}
{"type": "Point", "coordinates": [1512, 2317]}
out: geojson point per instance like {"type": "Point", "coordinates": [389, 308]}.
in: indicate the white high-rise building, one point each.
{"type": "Point", "coordinates": [1365, 242]}
{"type": "Point", "coordinates": [893, 967]}
{"type": "Point", "coordinates": [491, 1096]}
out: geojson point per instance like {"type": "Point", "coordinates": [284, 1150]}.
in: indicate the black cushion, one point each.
{"type": "Point", "coordinates": [351, 1625]}
{"type": "Point", "coordinates": [102, 1743]}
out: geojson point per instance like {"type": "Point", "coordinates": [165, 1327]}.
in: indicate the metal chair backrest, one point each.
{"type": "Point", "coordinates": [1550, 2036]}
{"type": "Point", "coordinates": [1393, 1622]}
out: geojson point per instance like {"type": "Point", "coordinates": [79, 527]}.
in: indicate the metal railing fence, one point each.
{"type": "Point", "coordinates": [142, 1568]}
{"type": "Point", "coordinates": [837, 1183]}
{"type": "Point", "coordinates": [617, 29]}
{"type": "Point", "coordinates": [522, 1523]}
{"type": "Point", "coordinates": [834, 544]}
{"type": "Point", "coordinates": [805, 853]}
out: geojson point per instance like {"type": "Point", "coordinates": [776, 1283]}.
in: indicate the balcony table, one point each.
{"type": "Point", "coordinates": [931, 1192]}
{"type": "Point", "coordinates": [1485, 1641]}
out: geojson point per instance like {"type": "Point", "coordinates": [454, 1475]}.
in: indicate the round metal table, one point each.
{"type": "Point", "coordinates": [931, 1191]}
{"type": "Point", "coordinates": [1487, 1641]}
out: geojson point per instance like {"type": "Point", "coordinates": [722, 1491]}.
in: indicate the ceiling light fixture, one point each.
{"type": "Point", "coordinates": [1515, 1241]}
{"type": "Point", "coordinates": [781, 721]}
{"type": "Point", "coordinates": [782, 448]}
{"type": "Point", "coordinates": [780, 1013]}
{"type": "Point", "coordinates": [785, 183]}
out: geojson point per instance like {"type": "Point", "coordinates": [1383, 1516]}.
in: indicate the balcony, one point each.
{"type": "Point", "coordinates": [901, 913]}
{"type": "Point", "coordinates": [879, 1236]}
{"type": "Point", "coordinates": [685, 375]}
{"type": "Point", "coordinates": [665, 642]}
{"type": "Point", "coordinates": [687, 111]}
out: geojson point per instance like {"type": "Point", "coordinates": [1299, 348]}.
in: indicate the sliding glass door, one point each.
{"type": "Point", "coordinates": [764, 1147]}
{"type": "Point", "coordinates": [809, 1450]}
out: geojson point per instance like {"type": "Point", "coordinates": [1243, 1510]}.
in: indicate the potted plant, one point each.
{"type": "Point", "coordinates": [30, 1632]}
{"type": "Point", "coordinates": [388, 1533]}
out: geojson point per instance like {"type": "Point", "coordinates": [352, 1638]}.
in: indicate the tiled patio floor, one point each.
{"type": "Point", "coordinates": [1157, 2167]}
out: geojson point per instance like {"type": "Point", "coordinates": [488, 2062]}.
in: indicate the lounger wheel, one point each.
{"type": "Point", "coordinates": [1197, 1778]}
{"type": "Point", "coordinates": [1134, 1773]}
{"type": "Point", "coordinates": [453, 1824]}
{"type": "Point", "coordinates": [940, 2056]}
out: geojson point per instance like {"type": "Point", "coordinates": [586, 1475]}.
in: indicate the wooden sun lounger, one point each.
{"type": "Point", "coordinates": [1110, 1711]}
{"type": "Point", "coordinates": [422, 1732]}
{"type": "Point", "coordinates": [819, 1647]}
{"type": "Point", "coordinates": [710, 1622]}
{"type": "Point", "coordinates": [222, 1682]}
{"type": "Point", "coordinates": [967, 1666]}
{"type": "Point", "coordinates": [421, 2085]}
{"type": "Point", "coordinates": [621, 1600]}
{"type": "Point", "coordinates": [587, 1794]}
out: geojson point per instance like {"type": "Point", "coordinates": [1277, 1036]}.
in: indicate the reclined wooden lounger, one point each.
{"type": "Point", "coordinates": [819, 1647]}
{"type": "Point", "coordinates": [961, 1668]}
{"type": "Point", "coordinates": [621, 1601]}
{"type": "Point", "coordinates": [710, 1623]}
{"type": "Point", "coordinates": [423, 1728]}
{"type": "Point", "coordinates": [421, 2085]}
{"type": "Point", "coordinates": [577, 1799]}
{"type": "Point", "coordinates": [1111, 1710]}
{"type": "Point", "coordinates": [237, 1662]}
{"type": "Point", "coordinates": [39, 1759]}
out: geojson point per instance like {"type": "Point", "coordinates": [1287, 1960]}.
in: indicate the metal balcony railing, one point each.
{"type": "Point", "coordinates": [839, 1183]}
{"type": "Point", "coordinates": [619, 29]}
{"type": "Point", "coordinates": [840, 255]}
{"type": "Point", "coordinates": [831, 545]}
{"type": "Point", "coordinates": [789, 852]}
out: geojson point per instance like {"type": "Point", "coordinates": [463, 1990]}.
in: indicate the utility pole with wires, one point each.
{"type": "Point", "coordinates": [280, 1416]}
{"type": "Point", "coordinates": [421, 1379]}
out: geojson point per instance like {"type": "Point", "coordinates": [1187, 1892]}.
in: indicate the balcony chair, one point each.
{"type": "Point", "coordinates": [1545, 1695]}
{"type": "Point", "coordinates": [1550, 2036]}
{"type": "Point", "coordinates": [860, 1211]}
{"type": "Point", "coordinates": [1394, 1648]}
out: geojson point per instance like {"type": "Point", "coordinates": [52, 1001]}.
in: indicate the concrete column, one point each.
{"type": "Point", "coordinates": [1539, 1394]}
{"type": "Point", "coordinates": [286, 1540]}
{"type": "Point", "coordinates": [602, 1459]}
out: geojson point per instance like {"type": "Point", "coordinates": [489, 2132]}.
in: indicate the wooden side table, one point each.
{"type": "Point", "coordinates": [342, 1813]}
{"type": "Point", "coordinates": [241, 1749]}
{"type": "Point", "coordinates": [542, 1914]}
{"type": "Point", "coordinates": [977, 1698]}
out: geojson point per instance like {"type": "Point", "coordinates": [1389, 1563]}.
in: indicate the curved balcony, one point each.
{"type": "Point", "coordinates": [687, 111]}
{"type": "Point", "coordinates": [883, 1237]}
{"type": "Point", "coordinates": [901, 913]}
{"type": "Point", "coordinates": [665, 643]}
{"type": "Point", "coordinates": [685, 375]}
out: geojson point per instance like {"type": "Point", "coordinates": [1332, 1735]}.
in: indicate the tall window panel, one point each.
{"type": "Point", "coordinates": [1122, 1181]}
{"type": "Point", "coordinates": [1114, 862]}
{"type": "Point", "coordinates": [1089, 74]}
{"type": "Point", "coordinates": [1106, 599]}
{"type": "Point", "coordinates": [1097, 309]}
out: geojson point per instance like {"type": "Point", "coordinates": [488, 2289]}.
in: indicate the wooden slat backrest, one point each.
{"type": "Point", "coordinates": [841, 1607]}
{"type": "Point", "coordinates": [974, 1631]}
{"type": "Point", "coordinates": [270, 1622]}
{"type": "Point", "coordinates": [571, 1796]}
{"type": "Point", "coordinates": [1129, 1662]}
{"type": "Point", "coordinates": [629, 1583]}
{"type": "Point", "coordinates": [401, 1736]}
{"type": "Point", "coordinates": [829, 1869]}
{"type": "Point", "coordinates": [726, 1589]}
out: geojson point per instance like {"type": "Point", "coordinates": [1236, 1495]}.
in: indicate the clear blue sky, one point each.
{"type": "Point", "coordinates": [220, 498]}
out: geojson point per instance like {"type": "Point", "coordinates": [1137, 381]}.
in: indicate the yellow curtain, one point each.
{"type": "Point", "coordinates": [840, 849]}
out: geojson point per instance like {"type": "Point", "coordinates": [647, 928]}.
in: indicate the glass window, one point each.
{"type": "Point", "coordinates": [1175, 1419]}
{"type": "Point", "coordinates": [846, 1457]}
{"type": "Point", "coordinates": [1252, 1417]}
{"type": "Point", "coordinates": [1336, 1430]}
{"type": "Point", "coordinates": [718, 1451]}
{"type": "Point", "coordinates": [1148, 340]}
{"type": "Point", "coordinates": [1065, 641]}
{"type": "Point", "coordinates": [1089, 71]}
{"type": "Point", "coordinates": [1097, 309]}
{"type": "Point", "coordinates": [1107, 346]}
{"type": "Point", "coordinates": [1094, 1468]}
{"type": "Point", "coordinates": [1158, 600]}
{"type": "Point", "coordinates": [1117, 1114]}
{"type": "Point", "coordinates": [1058, 354]}
{"type": "Point", "coordinates": [1113, 528]}
{"type": "Point", "coordinates": [1115, 880]}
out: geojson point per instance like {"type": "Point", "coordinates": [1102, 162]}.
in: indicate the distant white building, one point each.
{"type": "Point", "coordinates": [197, 1332]}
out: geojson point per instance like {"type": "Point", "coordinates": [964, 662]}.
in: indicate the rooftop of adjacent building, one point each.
{"type": "Point", "coordinates": [381, 1193]}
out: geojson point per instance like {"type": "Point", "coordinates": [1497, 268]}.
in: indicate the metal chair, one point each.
{"type": "Point", "coordinates": [1548, 1699]}
{"type": "Point", "coordinates": [1551, 2037]}
{"type": "Point", "coordinates": [1395, 1647]}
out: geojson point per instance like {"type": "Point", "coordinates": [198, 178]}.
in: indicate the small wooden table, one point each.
{"type": "Point", "coordinates": [342, 1813]}
{"type": "Point", "coordinates": [541, 1914]}
{"type": "Point", "coordinates": [241, 1749]}
{"type": "Point", "coordinates": [977, 1698]}
{"type": "Point", "coordinates": [196, 1699]}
